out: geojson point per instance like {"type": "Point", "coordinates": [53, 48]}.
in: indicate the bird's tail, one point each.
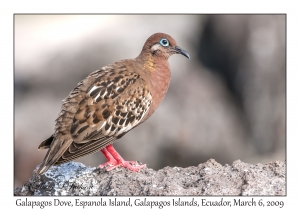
{"type": "Point", "coordinates": [55, 151]}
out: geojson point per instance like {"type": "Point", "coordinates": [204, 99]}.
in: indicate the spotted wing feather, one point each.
{"type": "Point", "coordinates": [108, 103]}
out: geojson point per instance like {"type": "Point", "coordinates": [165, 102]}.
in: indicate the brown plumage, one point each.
{"type": "Point", "coordinates": [110, 102]}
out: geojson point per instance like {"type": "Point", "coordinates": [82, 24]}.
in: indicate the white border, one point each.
{"type": "Point", "coordinates": [8, 8]}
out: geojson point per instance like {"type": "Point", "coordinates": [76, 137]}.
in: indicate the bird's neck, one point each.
{"type": "Point", "coordinates": [160, 77]}
{"type": "Point", "coordinates": [158, 74]}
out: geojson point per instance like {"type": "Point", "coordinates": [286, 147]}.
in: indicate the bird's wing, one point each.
{"type": "Point", "coordinates": [108, 103]}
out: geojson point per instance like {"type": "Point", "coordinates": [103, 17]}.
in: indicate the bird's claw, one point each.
{"type": "Point", "coordinates": [110, 162]}
{"type": "Point", "coordinates": [131, 165]}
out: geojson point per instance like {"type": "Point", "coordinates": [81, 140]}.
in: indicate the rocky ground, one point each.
{"type": "Point", "coordinates": [209, 178]}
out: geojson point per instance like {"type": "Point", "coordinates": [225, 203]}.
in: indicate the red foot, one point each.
{"type": "Point", "coordinates": [115, 160]}
{"type": "Point", "coordinates": [127, 164]}
{"type": "Point", "coordinates": [109, 157]}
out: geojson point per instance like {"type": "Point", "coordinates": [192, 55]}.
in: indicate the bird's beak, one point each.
{"type": "Point", "coordinates": [178, 50]}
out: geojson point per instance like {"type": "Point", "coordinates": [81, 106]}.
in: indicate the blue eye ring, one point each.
{"type": "Point", "coordinates": [164, 42]}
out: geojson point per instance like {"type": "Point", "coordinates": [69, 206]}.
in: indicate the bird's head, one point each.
{"type": "Point", "coordinates": [162, 45]}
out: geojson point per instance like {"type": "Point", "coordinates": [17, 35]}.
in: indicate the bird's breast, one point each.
{"type": "Point", "coordinates": [159, 81]}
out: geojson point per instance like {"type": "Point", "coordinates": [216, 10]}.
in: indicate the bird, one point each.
{"type": "Point", "coordinates": [108, 103]}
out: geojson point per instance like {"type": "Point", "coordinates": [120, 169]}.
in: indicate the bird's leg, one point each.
{"type": "Point", "coordinates": [110, 159]}
{"type": "Point", "coordinates": [119, 161]}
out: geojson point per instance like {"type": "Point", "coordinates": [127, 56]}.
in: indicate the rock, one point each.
{"type": "Point", "coordinates": [209, 178]}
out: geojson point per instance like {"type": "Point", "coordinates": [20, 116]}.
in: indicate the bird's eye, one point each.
{"type": "Point", "coordinates": [164, 42]}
